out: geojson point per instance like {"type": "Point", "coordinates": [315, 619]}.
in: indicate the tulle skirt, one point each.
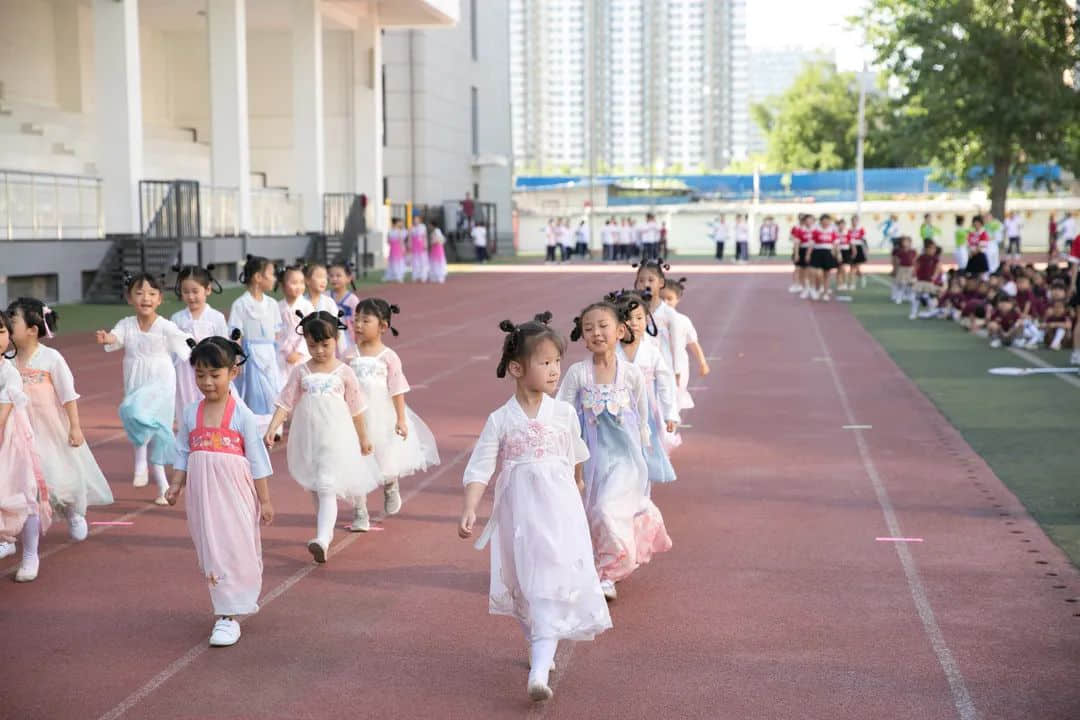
{"type": "Point", "coordinates": [72, 475]}
{"type": "Point", "coordinates": [395, 269]}
{"type": "Point", "coordinates": [323, 451]}
{"type": "Point", "coordinates": [627, 528]}
{"type": "Point", "coordinates": [656, 457]}
{"type": "Point", "coordinates": [420, 266]}
{"type": "Point", "coordinates": [398, 458]}
{"type": "Point", "coordinates": [437, 263]}
{"type": "Point", "coordinates": [223, 519]}
{"type": "Point", "coordinates": [542, 570]}
{"type": "Point", "coordinates": [22, 482]}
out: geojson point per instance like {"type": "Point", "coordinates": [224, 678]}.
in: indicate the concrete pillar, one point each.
{"type": "Point", "coordinates": [367, 114]}
{"type": "Point", "coordinates": [230, 152]}
{"type": "Point", "coordinates": [119, 111]}
{"type": "Point", "coordinates": [308, 138]}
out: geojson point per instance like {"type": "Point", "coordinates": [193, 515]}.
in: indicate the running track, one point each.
{"type": "Point", "coordinates": [776, 602]}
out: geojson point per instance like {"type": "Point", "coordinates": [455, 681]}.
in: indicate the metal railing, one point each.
{"type": "Point", "coordinates": [276, 211]}
{"type": "Point", "coordinates": [50, 206]}
{"type": "Point", "coordinates": [169, 208]}
{"type": "Point", "coordinates": [219, 214]}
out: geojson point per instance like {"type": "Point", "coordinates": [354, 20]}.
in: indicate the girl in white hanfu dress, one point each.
{"type": "Point", "coordinates": [256, 315]}
{"type": "Point", "coordinates": [148, 410]}
{"type": "Point", "coordinates": [24, 500]}
{"type": "Point", "coordinates": [684, 340]}
{"type": "Point", "coordinates": [328, 450]}
{"type": "Point", "coordinates": [292, 350]}
{"type": "Point", "coordinates": [609, 395]}
{"type": "Point", "coordinates": [221, 461]}
{"type": "Point", "coordinates": [648, 281]}
{"type": "Point", "coordinates": [542, 571]}
{"type": "Point", "coordinates": [642, 350]}
{"type": "Point", "coordinates": [72, 476]}
{"type": "Point", "coordinates": [194, 285]}
{"type": "Point", "coordinates": [403, 443]}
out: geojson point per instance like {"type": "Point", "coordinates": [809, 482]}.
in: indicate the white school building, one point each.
{"type": "Point", "coordinates": [284, 112]}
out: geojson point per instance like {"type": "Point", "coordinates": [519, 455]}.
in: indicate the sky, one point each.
{"type": "Point", "coordinates": [808, 24]}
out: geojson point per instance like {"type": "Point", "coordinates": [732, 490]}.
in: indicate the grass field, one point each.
{"type": "Point", "coordinates": [1024, 427]}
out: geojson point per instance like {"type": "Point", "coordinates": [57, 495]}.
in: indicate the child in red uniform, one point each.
{"type": "Point", "coordinates": [951, 302]}
{"type": "Point", "coordinates": [1058, 324]}
{"type": "Point", "coordinates": [1005, 324]}
{"type": "Point", "coordinates": [905, 267]}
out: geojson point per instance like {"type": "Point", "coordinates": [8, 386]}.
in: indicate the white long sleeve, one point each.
{"type": "Point", "coordinates": [571, 384]}
{"type": "Point", "coordinates": [485, 454]}
{"type": "Point", "coordinates": [665, 390]}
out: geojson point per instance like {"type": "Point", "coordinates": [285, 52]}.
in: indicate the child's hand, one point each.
{"type": "Point", "coordinates": [266, 513]}
{"type": "Point", "coordinates": [365, 447]}
{"type": "Point", "coordinates": [580, 482]}
{"type": "Point", "coordinates": [173, 493]}
{"type": "Point", "coordinates": [704, 369]}
{"type": "Point", "coordinates": [465, 527]}
{"type": "Point", "coordinates": [105, 338]}
{"type": "Point", "coordinates": [268, 440]}
{"type": "Point", "coordinates": [402, 430]}
{"type": "Point", "coordinates": [75, 437]}
{"type": "Point", "coordinates": [293, 358]}
{"type": "Point", "coordinates": [671, 426]}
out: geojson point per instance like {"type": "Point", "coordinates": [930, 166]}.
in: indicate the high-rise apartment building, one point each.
{"type": "Point", "coordinates": [625, 85]}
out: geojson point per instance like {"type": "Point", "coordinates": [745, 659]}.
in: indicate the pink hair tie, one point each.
{"type": "Point", "coordinates": [45, 312]}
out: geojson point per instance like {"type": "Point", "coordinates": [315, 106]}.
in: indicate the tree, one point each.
{"type": "Point", "coordinates": [982, 81]}
{"type": "Point", "coordinates": [814, 124]}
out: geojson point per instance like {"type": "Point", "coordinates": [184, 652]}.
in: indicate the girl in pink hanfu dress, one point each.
{"type": "Point", "coordinates": [194, 285]}
{"type": "Point", "coordinates": [437, 256]}
{"type": "Point", "coordinates": [328, 452]}
{"type": "Point", "coordinates": [292, 350]}
{"type": "Point", "coordinates": [221, 461]}
{"type": "Point", "coordinates": [24, 500]}
{"type": "Point", "coordinates": [418, 250]}
{"type": "Point", "coordinates": [72, 475]}
{"type": "Point", "coordinates": [403, 444]}
{"type": "Point", "coordinates": [148, 410]}
{"type": "Point", "coordinates": [542, 571]}
{"type": "Point", "coordinates": [609, 395]}
{"type": "Point", "coordinates": [395, 259]}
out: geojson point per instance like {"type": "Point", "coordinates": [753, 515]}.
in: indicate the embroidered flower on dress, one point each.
{"type": "Point", "coordinates": [534, 440]}
{"type": "Point", "coordinates": [598, 398]}
{"type": "Point", "coordinates": [323, 385]}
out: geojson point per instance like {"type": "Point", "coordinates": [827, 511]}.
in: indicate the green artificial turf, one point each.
{"type": "Point", "coordinates": [1024, 427]}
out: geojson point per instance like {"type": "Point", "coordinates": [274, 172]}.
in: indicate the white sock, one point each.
{"type": "Point", "coordinates": [542, 656]}
{"type": "Point", "coordinates": [30, 535]}
{"type": "Point", "coordinates": [140, 459]}
{"type": "Point", "coordinates": [1059, 335]}
{"type": "Point", "coordinates": [325, 518]}
{"type": "Point", "coordinates": [914, 304]}
{"type": "Point", "coordinates": [157, 474]}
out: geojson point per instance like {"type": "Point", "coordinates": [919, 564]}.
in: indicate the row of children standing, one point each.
{"type": "Point", "coordinates": [416, 249]}
{"type": "Point", "coordinates": [579, 453]}
{"type": "Point", "coordinates": [821, 247]}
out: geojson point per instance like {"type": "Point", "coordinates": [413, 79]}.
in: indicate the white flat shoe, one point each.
{"type": "Point", "coordinates": [226, 632]}
{"type": "Point", "coordinates": [160, 500]}
{"type": "Point", "coordinates": [608, 588]}
{"type": "Point", "coordinates": [77, 527]}
{"type": "Point", "coordinates": [538, 689]}
{"type": "Point", "coordinates": [28, 570]}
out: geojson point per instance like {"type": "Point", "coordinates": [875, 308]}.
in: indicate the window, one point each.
{"type": "Point", "coordinates": [475, 121]}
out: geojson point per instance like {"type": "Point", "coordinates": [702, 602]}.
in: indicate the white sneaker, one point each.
{"type": "Point", "coordinates": [7, 549]}
{"type": "Point", "coordinates": [392, 498]}
{"type": "Point", "coordinates": [142, 479]}
{"type": "Point", "coordinates": [608, 588]}
{"type": "Point", "coordinates": [28, 569]}
{"type": "Point", "coordinates": [795, 289]}
{"type": "Point", "coordinates": [1055, 345]}
{"type": "Point", "coordinates": [77, 527]}
{"type": "Point", "coordinates": [995, 343]}
{"type": "Point", "coordinates": [226, 632]}
{"type": "Point", "coordinates": [814, 294]}
{"type": "Point", "coordinates": [160, 500]}
{"type": "Point", "coordinates": [361, 522]}
{"type": "Point", "coordinates": [912, 315]}
{"type": "Point", "coordinates": [804, 294]}
{"type": "Point", "coordinates": [1074, 359]}
{"type": "Point", "coordinates": [539, 690]}
{"type": "Point", "coordinates": [317, 551]}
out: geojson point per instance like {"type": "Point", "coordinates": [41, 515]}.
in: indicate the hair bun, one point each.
{"type": "Point", "coordinates": [176, 268]}
{"type": "Point", "coordinates": [191, 343]}
{"type": "Point", "coordinates": [236, 334]}
{"type": "Point", "coordinates": [544, 318]}
{"type": "Point", "coordinates": [300, 314]}
{"type": "Point", "coordinates": [394, 309]}
{"type": "Point", "coordinates": [507, 326]}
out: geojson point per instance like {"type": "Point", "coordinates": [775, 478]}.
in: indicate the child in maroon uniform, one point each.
{"type": "Point", "coordinates": [1005, 324]}
{"type": "Point", "coordinates": [976, 304]}
{"type": "Point", "coordinates": [926, 270]}
{"type": "Point", "coordinates": [905, 266]}
{"type": "Point", "coordinates": [1058, 324]}
{"type": "Point", "coordinates": [951, 302]}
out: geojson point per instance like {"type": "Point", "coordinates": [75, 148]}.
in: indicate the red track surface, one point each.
{"type": "Point", "coordinates": [776, 601]}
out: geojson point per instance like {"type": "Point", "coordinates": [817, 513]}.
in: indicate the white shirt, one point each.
{"type": "Point", "coordinates": [1012, 226]}
{"type": "Point", "coordinates": [742, 232]}
{"type": "Point", "coordinates": [1067, 228]}
{"type": "Point", "coordinates": [479, 236]}
{"type": "Point", "coordinates": [651, 233]}
{"type": "Point", "coordinates": [549, 235]}
{"type": "Point", "coordinates": [717, 231]}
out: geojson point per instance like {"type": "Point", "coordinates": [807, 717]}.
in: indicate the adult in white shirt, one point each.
{"type": "Point", "coordinates": [718, 233]}
{"type": "Point", "coordinates": [551, 239]}
{"type": "Point", "coordinates": [742, 239]}
{"type": "Point", "coordinates": [1067, 231]}
{"type": "Point", "coordinates": [650, 238]}
{"type": "Point", "coordinates": [1013, 227]}
{"type": "Point", "coordinates": [479, 239]}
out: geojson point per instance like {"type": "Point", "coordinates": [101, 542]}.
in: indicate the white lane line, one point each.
{"type": "Point", "coordinates": [965, 707]}
{"type": "Point", "coordinates": [198, 650]}
{"type": "Point", "coordinates": [856, 427]}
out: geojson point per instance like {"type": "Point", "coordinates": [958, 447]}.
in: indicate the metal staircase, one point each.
{"type": "Point", "coordinates": [170, 213]}
{"type": "Point", "coordinates": [343, 225]}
